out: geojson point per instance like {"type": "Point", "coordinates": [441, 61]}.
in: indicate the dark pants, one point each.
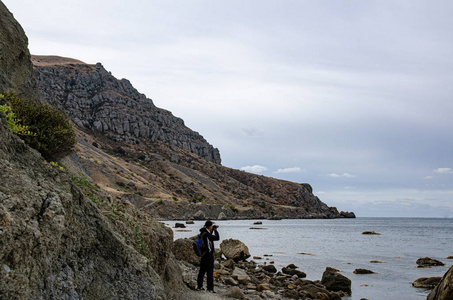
{"type": "Point", "coordinates": [206, 266]}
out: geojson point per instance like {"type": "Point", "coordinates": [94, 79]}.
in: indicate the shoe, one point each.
{"type": "Point", "coordinates": [211, 291]}
{"type": "Point", "coordinates": [199, 289]}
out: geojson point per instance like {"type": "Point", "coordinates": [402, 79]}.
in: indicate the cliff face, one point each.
{"type": "Point", "coordinates": [55, 243]}
{"type": "Point", "coordinates": [97, 101]}
{"type": "Point", "coordinates": [15, 65]}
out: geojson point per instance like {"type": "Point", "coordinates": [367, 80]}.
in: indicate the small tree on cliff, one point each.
{"type": "Point", "coordinates": [53, 135]}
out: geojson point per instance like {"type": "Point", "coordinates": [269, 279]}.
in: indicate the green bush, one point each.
{"type": "Point", "coordinates": [53, 135]}
{"type": "Point", "coordinates": [13, 123]}
{"type": "Point", "coordinates": [121, 183]}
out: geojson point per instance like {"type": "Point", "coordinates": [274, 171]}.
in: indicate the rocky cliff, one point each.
{"type": "Point", "coordinates": [147, 156]}
{"type": "Point", "coordinates": [56, 243]}
{"type": "Point", "coordinates": [97, 101]}
{"type": "Point", "coordinates": [15, 65]}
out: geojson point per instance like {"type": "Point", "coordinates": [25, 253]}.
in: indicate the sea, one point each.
{"type": "Point", "coordinates": [313, 245]}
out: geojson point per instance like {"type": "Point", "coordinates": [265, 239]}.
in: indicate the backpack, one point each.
{"type": "Point", "coordinates": [197, 245]}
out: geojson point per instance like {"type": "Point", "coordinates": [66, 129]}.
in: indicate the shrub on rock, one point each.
{"type": "Point", "coordinates": [53, 135]}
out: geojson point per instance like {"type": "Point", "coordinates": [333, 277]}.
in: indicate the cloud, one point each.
{"type": "Point", "coordinates": [251, 131]}
{"type": "Point", "coordinates": [254, 169]}
{"type": "Point", "coordinates": [443, 171]}
{"type": "Point", "coordinates": [428, 177]}
{"type": "Point", "coordinates": [344, 175]}
{"type": "Point", "coordinates": [289, 170]}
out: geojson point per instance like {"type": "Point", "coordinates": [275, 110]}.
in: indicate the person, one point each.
{"type": "Point", "coordinates": [209, 234]}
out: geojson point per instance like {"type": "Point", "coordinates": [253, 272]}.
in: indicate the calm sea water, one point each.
{"type": "Point", "coordinates": [340, 244]}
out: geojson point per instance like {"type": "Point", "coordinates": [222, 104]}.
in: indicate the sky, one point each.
{"type": "Point", "coordinates": [352, 97]}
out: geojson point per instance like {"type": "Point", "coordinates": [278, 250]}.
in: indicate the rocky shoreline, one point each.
{"type": "Point", "coordinates": [239, 275]}
{"type": "Point", "coordinates": [239, 278]}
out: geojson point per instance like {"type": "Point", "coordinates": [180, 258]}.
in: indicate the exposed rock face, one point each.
{"type": "Point", "coordinates": [16, 69]}
{"type": "Point", "coordinates": [444, 290]}
{"type": "Point", "coordinates": [183, 250]}
{"type": "Point", "coordinates": [54, 242]}
{"type": "Point", "coordinates": [96, 100]}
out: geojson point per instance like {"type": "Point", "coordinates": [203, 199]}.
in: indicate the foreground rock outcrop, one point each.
{"type": "Point", "coordinates": [444, 290]}
{"type": "Point", "coordinates": [56, 243]}
{"type": "Point", "coordinates": [16, 69]}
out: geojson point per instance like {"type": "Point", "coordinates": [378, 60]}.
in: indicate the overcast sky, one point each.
{"type": "Point", "coordinates": [353, 97]}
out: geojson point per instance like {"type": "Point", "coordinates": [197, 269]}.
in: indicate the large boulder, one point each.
{"type": "Point", "coordinates": [334, 281]}
{"type": "Point", "coordinates": [183, 250]}
{"type": "Point", "coordinates": [444, 290]}
{"type": "Point", "coordinates": [234, 249]}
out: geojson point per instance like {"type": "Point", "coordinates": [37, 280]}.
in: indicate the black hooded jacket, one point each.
{"type": "Point", "coordinates": [207, 248]}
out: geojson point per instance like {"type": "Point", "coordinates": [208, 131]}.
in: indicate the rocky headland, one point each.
{"type": "Point", "coordinates": [145, 155]}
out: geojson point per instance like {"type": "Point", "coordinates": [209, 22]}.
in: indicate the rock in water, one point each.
{"type": "Point", "coordinates": [426, 282]}
{"type": "Point", "coordinates": [363, 271]}
{"type": "Point", "coordinates": [371, 233]}
{"type": "Point", "coordinates": [428, 262]}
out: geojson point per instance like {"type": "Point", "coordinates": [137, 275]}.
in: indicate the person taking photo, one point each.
{"type": "Point", "coordinates": [208, 234]}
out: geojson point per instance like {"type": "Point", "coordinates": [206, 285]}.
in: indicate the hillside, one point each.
{"type": "Point", "coordinates": [144, 154]}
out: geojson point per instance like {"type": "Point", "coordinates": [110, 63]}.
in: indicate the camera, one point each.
{"type": "Point", "coordinates": [216, 226]}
